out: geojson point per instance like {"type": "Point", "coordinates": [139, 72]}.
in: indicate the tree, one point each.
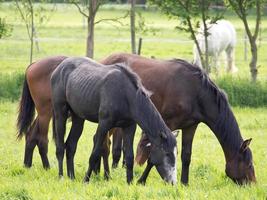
{"type": "Point", "coordinates": [242, 8]}
{"type": "Point", "coordinates": [89, 8]}
{"type": "Point", "coordinates": [191, 13]}
{"type": "Point", "coordinates": [31, 15]}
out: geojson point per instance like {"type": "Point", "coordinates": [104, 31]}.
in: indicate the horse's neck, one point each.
{"type": "Point", "coordinates": [148, 118]}
{"type": "Point", "coordinates": [226, 129]}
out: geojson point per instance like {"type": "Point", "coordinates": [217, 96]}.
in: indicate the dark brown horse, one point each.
{"type": "Point", "coordinates": [185, 96]}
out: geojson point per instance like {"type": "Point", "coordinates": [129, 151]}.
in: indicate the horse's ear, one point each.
{"type": "Point", "coordinates": [245, 145]}
{"type": "Point", "coordinates": [175, 133]}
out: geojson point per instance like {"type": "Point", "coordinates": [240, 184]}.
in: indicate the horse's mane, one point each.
{"type": "Point", "coordinates": [149, 111]}
{"type": "Point", "coordinates": [225, 125]}
{"type": "Point", "coordinates": [133, 77]}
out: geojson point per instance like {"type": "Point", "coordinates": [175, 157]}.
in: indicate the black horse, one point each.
{"type": "Point", "coordinates": [113, 96]}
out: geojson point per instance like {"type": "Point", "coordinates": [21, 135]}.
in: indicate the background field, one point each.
{"type": "Point", "coordinates": [64, 34]}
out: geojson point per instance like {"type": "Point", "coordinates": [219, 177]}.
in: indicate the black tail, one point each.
{"type": "Point", "coordinates": [26, 111]}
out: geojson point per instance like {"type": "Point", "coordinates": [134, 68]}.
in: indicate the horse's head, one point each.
{"type": "Point", "coordinates": [163, 155]}
{"type": "Point", "coordinates": [240, 168]}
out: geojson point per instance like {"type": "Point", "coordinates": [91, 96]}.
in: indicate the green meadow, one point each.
{"type": "Point", "coordinates": [65, 34]}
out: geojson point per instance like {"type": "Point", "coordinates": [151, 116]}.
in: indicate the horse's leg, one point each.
{"type": "Point", "coordinates": [230, 60]}
{"type": "Point", "coordinates": [30, 143]}
{"type": "Point", "coordinates": [71, 143]}
{"type": "Point", "coordinates": [187, 139]}
{"type": "Point", "coordinates": [105, 155]}
{"type": "Point", "coordinates": [128, 139]}
{"type": "Point", "coordinates": [142, 179]}
{"type": "Point", "coordinates": [116, 147]}
{"type": "Point", "coordinates": [42, 138]}
{"type": "Point", "coordinates": [61, 115]}
{"type": "Point", "coordinates": [99, 137]}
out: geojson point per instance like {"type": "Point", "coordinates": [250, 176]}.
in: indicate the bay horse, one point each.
{"type": "Point", "coordinates": [36, 93]}
{"type": "Point", "coordinates": [222, 37]}
{"type": "Point", "coordinates": [111, 96]}
{"type": "Point", "coordinates": [185, 96]}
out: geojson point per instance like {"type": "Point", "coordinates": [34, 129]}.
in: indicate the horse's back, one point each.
{"type": "Point", "coordinates": [87, 84]}
{"type": "Point", "coordinates": [38, 76]}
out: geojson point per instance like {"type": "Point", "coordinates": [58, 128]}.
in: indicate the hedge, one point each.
{"type": "Point", "coordinates": [241, 92]}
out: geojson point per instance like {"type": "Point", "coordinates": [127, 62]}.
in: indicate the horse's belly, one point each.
{"type": "Point", "coordinates": [86, 108]}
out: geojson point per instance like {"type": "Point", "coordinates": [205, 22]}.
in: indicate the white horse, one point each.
{"type": "Point", "coordinates": [222, 37]}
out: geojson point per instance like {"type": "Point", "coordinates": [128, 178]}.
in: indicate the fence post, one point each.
{"type": "Point", "coordinates": [139, 46]}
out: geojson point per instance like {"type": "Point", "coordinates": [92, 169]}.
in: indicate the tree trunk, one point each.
{"type": "Point", "coordinates": [253, 62]}
{"type": "Point", "coordinates": [32, 30]}
{"type": "Point", "coordinates": [132, 18]}
{"type": "Point", "coordinates": [90, 38]}
{"type": "Point", "coordinates": [206, 34]}
{"type": "Point", "coordinates": [91, 26]}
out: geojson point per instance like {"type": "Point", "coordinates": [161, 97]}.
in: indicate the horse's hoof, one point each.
{"type": "Point", "coordinates": [27, 166]}
{"type": "Point", "coordinates": [46, 167]}
{"type": "Point", "coordinates": [86, 179]}
{"type": "Point", "coordinates": [71, 176]}
{"type": "Point", "coordinates": [114, 165]}
{"type": "Point", "coordinates": [106, 177]}
{"type": "Point", "coordinates": [141, 182]}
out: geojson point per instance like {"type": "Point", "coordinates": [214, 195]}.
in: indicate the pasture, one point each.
{"type": "Point", "coordinates": [64, 34]}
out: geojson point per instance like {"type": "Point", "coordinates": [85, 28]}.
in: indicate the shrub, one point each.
{"type": "Point", "coordinates": [10, 86]}
{"type": "Point", "coordinates": [241, 92]}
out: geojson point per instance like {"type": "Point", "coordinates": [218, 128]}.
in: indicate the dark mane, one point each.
{"type": "Point", "coordinates": [134, 78]}
{"type": "Point", "coordinates": [226, 127]}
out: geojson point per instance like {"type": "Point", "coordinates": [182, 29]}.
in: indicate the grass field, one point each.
{"type": "Point", "coordinates": [64, 34]}
{"type": "Point", "coordinates": [207, 177]}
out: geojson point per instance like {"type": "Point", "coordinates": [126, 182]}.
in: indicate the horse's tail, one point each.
{"type": "Point", "coordinates": [26, 110]}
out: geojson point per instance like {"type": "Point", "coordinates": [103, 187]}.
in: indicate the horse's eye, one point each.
{"type": "Point", "coordinates": [250, 166]}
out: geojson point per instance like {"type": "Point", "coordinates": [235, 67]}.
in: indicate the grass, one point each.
{"type": "Point", "coordinates": [64, 34]}
{"type": "Point", "coordinates": [207, 177]}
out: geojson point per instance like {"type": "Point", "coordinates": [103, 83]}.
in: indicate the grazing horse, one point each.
{"type": "Point", "coordinates": [222, 37]}
{"type": "Point", "coordinates": [113, 96]}
{"type": "Point", "coordinates": [185, 96]}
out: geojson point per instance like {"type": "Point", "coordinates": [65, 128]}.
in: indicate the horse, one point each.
{"type": "Point", "coordinates": [185, 96]}
{"type": "Point", "coordinates": [221, 37]}
{"type": "Point", "coordinates": [112, 96]}
{"type": "Point", "coordinates": [36, 93]}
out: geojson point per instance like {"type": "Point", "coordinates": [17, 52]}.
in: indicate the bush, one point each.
{"type": "Point", "coordinates": [11, 86]}
{"type": "Point", "coordinates": [241, 92]}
